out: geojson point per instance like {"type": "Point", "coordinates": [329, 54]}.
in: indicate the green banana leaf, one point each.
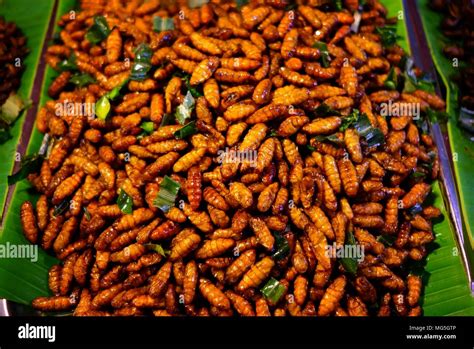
{"type": "Point", "coordinates": [446, 286]}
{"type": "Point", "coordinates": [461, 146]}
{"type": "Point", "coordinates": [446, 291]}
{"type": "Point", "coordinates": [21, 280]}
{"type": "Point", "coordinates": [34, 25]}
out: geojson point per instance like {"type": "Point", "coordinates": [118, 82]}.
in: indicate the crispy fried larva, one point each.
{"type": "Point", "coordinates": [213, 248]}
{"type": "Point", "coordinates": [204, 70]}
{"type": "Point", "coordinates": [257, 273]}
{"type": "Point", "coordinates": [332, 296]}
{"type": "Point", "coordinates": [416, 195]}
{"type": "Point", "coordinates": [213, 295]}
{"type": "Point", "coordinates": [263, 234]}
{"type": "Point", "coordinates": [28, 222]}
{"type": "Point", "coordinates": [55, 303]}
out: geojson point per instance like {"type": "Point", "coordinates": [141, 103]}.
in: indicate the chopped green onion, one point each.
{"type": "Point", "coordinates": [323, 49]}
{"type": "Point", "coordinates": [115, 92]}
{"type": "Point", "coordinates": [273, 133]}
{"type": "Point", "coordinates": [167, 195]}
{"type": "Point", "coordinates": [168, 119]}
{"type": "Point", "coordinates": [161, 24]}
{"type": "Point", "coordinates": [157, 248]}
{"type": "Point", "coordinates": [125, 202]}
{"type": "Point", "coordinates": [186, 131]}
{"type": "Point", "coordinates": [282, 248]}
{"type": "Point", "coordinates": [349, 120]}
{"type": "Point", "coordinates": [240, 3]}
{"type": "Point", "coordinates": [374, 137]}
{"type": "Point", "coordinates": [273, 290]}
{"type": "Point", "coordinates": [98, 31]}
{"type": "Point", "coordinates": [29, 164]}
{"type": "Point", "coordinates": [148, 126]}
{"type": "Point", "coordinates": [184, 110]}
{"type": "Point", "coordinates": [194, 91]}
{"type": "Point", "coordinates": [142, 63]}
{"type": "Point", "coordinates": [388, 35]}
{"type": "Point", "coordinates": [61, 208]}
{"type": "Point", "coordinates": [387, 240]}
{"type": "Point", "coordinates": [196, 3]}
{"type": "Point", "coordinates": [331, 138]}
{"type": "Point", "coordinates": [350, 264]}
{"type": "Point", "coordinates": [102, 107]}
{"type": "Point", "coordinates": [81, 79]}
{"type": "Point", "coordinates": [68, 64]}
{"type": "Point", "coordinates": [412, 82]}
{"type": "Point", "coordinates": [337, 5]}
{"type": "Point", "coordinates": [392, 80]}
{"type": "Point", "coordinates": [418, 174]}
{"type": "Point", "coordinates": [324, 110]}
{"type": "Point", "coordinates": [361, 123]}
{"type": "Point", "coordinates": [87, 213]}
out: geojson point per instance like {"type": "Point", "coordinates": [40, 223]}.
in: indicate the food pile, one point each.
{"type": "Point", "coordinates": [458, 27]}
{"type": "Point", "coordinates": [233, 151]}
{"type": "Point", "coordinates": [13, 51]}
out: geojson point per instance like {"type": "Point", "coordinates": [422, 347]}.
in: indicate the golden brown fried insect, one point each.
{"type": "Point", "coordinates": [204, 70]}
{"type": "Point", "coordinates": [348, 177]}
{"type": "Point", "coordinates": [264, 236]}
{"type": "Point", "coordinates": [213, 248]}
{"type": "Point", "coordinates": [257, 273]}
{"type": "Point", "coordinates": [332, 296]}
{"type": "Point", "coordinates": [193, 187]}
{"type": "Point", "coordinates": [55, 303]}
{"type": "Point", "coordinates": [416, 195]}
{"type": "Point", "coordinates": [28, 222]}
{"type": "Point", "coordinates": [323, 126]}
{"type": "Point", "coordinates": [160, 279]}
{"type": "Point", "coordinates": [213, 295]}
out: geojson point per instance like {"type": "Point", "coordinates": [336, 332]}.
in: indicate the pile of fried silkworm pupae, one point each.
{"type": "Point", "coordinates": [300, 86]}
{"type": "Point", "coordinates": [12, 51]}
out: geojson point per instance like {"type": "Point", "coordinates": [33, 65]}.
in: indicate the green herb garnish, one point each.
{"type": "Point", "coordinates": [81, 79]}
{"type": "Point", "coordinates": [68, 64]}
{"type": "Point", "coordinates": [350, 264]}
{"type": "Point", "coordinates": [161, 24]}
{"type": "Point", "coordinates": [98, 31]}
{"type": "Point", "coordinates": [323, 49]}
{"type": "Point", "coordinates": [282, 248]}
{"type": "Point", "coordinates": [184, 110]}
{"type": "Point", "coordinates": [157, 248]}
{"type": "Point", "coordinates": [273, 290]}
{"type": "Point", "coordinates": [167, 195]}
{"type": "Point", "coordinates": [388, 35]}
{"type": "Point", "coordinates": [142, 63]}
{"type": "Point", "coordinates": [325, 110]}
{"type": "Point", "coordinates": [102, 107]}
{"type": "Point", "coordinates": [29, 164]}
{"type": "Point", "coordinates": [392, 80]}
{"type": "Point", "coordinates": [187, 130]}
{"type": "Point", "coordinates": [125, 202]}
